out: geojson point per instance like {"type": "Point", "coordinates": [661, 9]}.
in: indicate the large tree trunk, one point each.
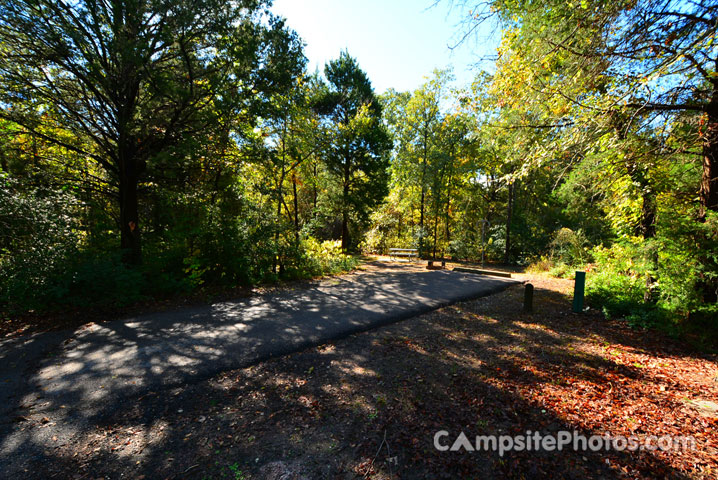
{"type": "Point", "coordinates": [130, 165]}
{"type": "Point", "coordinates": [129, 211]}
{"type": "Point", "coordinates": [709, 180]}
{"type": "Point", "coordinates": [709, 190]}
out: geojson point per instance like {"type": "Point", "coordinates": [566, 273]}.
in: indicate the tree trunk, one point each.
{"type": "Point", "coordinates": [3, 160]}
{"type": "Point", "coordinates": [436, 232]}
{"type": "Point", "coordinates": [280, 200]}
{"type": "Point", "coordinates": [34, 151]}
{"type": "Point", "coordinates": [709, 180]}
{"type": "Point", "coordinates": [345, 207]}
{"type": "Point", "coordinates": [315, 192]}
{"type": "Point", "coordinates": [509, 213]}
{"type": "Point", "coordinates": [218, 176]}
{"type": "Point", "coordinates": [448, 213]}
{"type": "Point", "coordinates": [125, 91]}
{"type": "Point", "coordinates": [423, 196]}
{"type": "Point", "coordinates": [648, 214]}
{"type": "Point", "coordinates": [648, 231]}
{"type": "Point", "coordinates": [437, 209]}
{"type": "Point", "coordinates": [709, 191]}
{"type": "Point", "coordinates": [129, 211]}
{"type": "Point", "coordinates": [421, 223]}
{"type": "Point", "coordinates": [345, 231]}
{"type": "Point", "coordinates": [296, 208]}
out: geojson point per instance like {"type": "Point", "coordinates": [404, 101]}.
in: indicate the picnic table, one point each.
{"type": "Point", "coordinates": [401, 253]}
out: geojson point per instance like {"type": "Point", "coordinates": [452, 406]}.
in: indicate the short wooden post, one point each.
{"type": "Point", "coordinates": [578, 292]}
{"type": "Point", "coordinates": [431, 263]}
{"type": "Point", "coordinates": [528, 298]}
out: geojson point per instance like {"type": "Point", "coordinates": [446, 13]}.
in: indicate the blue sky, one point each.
{"type": "Point", "coordinates": [397, 42]}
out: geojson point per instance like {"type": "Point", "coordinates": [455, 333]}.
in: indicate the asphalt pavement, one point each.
{"type": "Point", "coordinates": [72, 378]}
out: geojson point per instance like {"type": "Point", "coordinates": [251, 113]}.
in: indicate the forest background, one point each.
{"type": "Point", "coordinates": [150, 149]}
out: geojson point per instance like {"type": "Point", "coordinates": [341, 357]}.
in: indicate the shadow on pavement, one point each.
{"type": "Point", "coordinates": [103, 367]}
{"type": "Point", "coordinates": [368, 407]}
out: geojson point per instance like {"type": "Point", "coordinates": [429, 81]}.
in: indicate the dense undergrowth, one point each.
{"type": "Point", "coordinates": [52, 261]}
{"type": "Point", "coordinates": [648, 283]}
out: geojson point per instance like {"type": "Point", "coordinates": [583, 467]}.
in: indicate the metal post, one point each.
{"type": "Point", "coordinates": [578, 292]}
{"type": "Point", "coordinates": [529, 298]}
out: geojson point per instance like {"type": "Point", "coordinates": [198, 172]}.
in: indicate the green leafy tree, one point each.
{"type": "Point", "coordinates": [357, 152]}
{"type": "Point", "coordinates": [591, 67]}
{"type": "Point", "coordinates": [130, 80]}
{"type": "Point", "coordinates": [417, 136]}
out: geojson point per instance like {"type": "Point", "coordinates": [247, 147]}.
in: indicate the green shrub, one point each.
{"type": "Point", "coordinates": [617, 282]}
{"type": "Point", "coordinates": [618, 294]}
{"type": "Point", "coordinates": [222, 254]}
{"type": "Point", "coordinates": [542, 265]}
{"type": "Point", "coordinates": [100, 280]}
{"type": "Point", "coordinates": [326, 257]}
{"type": "Point", "coordinates": [38, 239]}
{"type": "Point", "coordinates": [562, 270]}
{"type": "Point", "coordinates": [687, 254]}
{"type": "Point", "coordinates": [569, 247]}
{"type": "Point", "coordinates": [554, 269]}
{"type": "Point", "coordinates": [463, 248]}
{"type": "Point", "coordinates": [163, 269]}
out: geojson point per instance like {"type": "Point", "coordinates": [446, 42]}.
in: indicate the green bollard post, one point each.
{"type": "Point", "coordinates": [578, 292]}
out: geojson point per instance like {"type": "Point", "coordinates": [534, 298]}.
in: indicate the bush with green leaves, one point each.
{"type": "Point", "coordinates": [383, 232]}
{"type": "Point", "coordinates": [570, 247]}
{"type": "Point", "coordinates": [222, 252]}
{"type": "Point", "coordinates": [569, 251]}
{"type": "Point", "coordinates": [38, 238]}
{"type": "Point", "coordinates": [670, 266]}
{"type": "Point", "coordinates": [99, 279]}
{"type": "Point", "coordinates": [617, 283]}
{"type": "Point", "coordinates": [541, 265]}
{"type": "Point", "coordinates": [464, 248]}
{"type": "Point", "coordinates": [326, 257]}
{"type": "Point", "coordinates": [688, 262]}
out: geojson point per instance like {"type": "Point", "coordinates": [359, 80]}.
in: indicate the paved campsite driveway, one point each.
{"type": "Point", "coordinates": [71, 378]}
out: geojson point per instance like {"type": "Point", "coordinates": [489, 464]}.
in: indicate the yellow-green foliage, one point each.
{"type": "Point", "coordinates": [326, 257]}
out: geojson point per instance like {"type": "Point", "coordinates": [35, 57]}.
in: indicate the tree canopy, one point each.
{"type": "Point", "coordinates": [153, 147]}
{"type": "Point", "coordinates": [122, 83]}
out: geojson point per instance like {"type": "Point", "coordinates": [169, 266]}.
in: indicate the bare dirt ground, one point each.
{"type": "Point", "coordinates": [368, 406]}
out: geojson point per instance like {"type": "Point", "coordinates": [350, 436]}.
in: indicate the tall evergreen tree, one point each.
{"type": "Point", "coordinates": [357, 155]}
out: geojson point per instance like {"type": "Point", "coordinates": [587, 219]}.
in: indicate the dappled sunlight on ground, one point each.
{"type": "Point", "coordinates": [369, 405]}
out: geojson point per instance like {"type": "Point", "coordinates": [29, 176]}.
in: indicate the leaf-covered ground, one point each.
{"type": "Point", "coordinates": [368, 406]}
